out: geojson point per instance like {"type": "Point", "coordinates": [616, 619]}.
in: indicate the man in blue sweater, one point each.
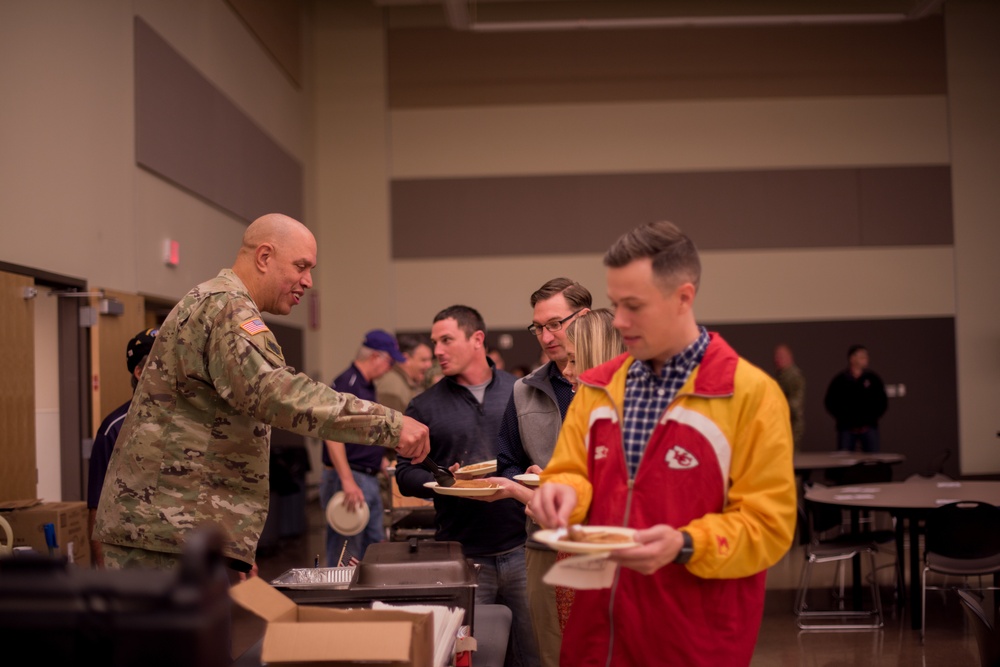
{"type": "Point", "coordinates": [136, 353]}
{"type": "Point", "coordinates": [463, 412]}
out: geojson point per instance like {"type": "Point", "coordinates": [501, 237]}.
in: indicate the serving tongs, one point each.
{"type": "Point", "coordinates": [442, 476]}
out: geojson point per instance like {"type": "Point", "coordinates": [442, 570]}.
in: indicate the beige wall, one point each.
{"type": "Point", "coordinates": [350, 196]}
{"type": "Point", "coordinates": [493, 137]}
{"type": "Point", "coordinates": [974, 97]}
{"type": "Point", "coordinates": [685, 136]}
{"type": "Point", "coordinates": [73, 201]}
{"type": "Point", "coordinates": [65, 167]}
{"type": "Point", "coordinates": [831, 284]}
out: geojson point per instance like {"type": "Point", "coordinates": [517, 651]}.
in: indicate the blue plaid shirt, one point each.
{"type": "Point", "coordinates": [647, 395]}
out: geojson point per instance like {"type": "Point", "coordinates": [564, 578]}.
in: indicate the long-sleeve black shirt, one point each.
{"type": "Point", "coordinates": [462, 430]}
{"type": "Point", "coordinates": [856, 402]}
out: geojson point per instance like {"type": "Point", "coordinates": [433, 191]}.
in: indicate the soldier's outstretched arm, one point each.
{"type": "Point", "coordinates": [414, 440]}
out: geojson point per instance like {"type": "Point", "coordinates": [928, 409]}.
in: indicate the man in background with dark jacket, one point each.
{"type": "Point", "coordinates": [856, 398]}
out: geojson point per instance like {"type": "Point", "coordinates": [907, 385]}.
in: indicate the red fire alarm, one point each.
{"type": "Point", "coordinates": [171, 252]}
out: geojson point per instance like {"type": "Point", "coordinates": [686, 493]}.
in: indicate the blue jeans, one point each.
{"type": "Point", "coordinates": [373, 532]}
{"type": "Point", "coordinates": [848, 440]}
{"type": "Point", "coordinates": [503, 580]}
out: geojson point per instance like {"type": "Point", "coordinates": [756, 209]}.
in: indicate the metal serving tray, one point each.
{"type": "Point", "coordinates": [312, 578]}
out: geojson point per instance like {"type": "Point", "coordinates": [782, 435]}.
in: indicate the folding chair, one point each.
{"type": "Point", "coordinates": [960, 539]}
{"type": "Point", "coordinates": [987, 633]}
{"type": "Point", "coordinates": [833, 543]}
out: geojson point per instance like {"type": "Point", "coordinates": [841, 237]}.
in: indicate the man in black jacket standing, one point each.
{"type": "Point", "coordinates": [856, 398]}
{"type": "Point", "coordinates": [463, 412]}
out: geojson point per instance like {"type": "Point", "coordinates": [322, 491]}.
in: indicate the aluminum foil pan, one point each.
{"type": "Point", "coordinates": [315, 578]}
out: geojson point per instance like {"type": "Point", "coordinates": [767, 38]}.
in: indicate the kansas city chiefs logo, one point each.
{"type": "Point", "coordinates": [679, 458]}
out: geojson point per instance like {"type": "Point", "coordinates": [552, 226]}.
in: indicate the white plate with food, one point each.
{"type": "Point", "coordinates": [528, 479]}
{"type": "Point", "coordinates": [588, 539]}
{"type": "Point", "coordinates": [465, 487]}
{"type": "Point", "coordinates": [480, 469]}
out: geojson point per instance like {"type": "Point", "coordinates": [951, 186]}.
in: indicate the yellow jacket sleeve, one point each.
{"type": "Point", "coordinates": [756, 526]}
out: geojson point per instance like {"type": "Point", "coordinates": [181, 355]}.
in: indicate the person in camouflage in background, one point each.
{"type": "Point", "coordinates": [194, 449]}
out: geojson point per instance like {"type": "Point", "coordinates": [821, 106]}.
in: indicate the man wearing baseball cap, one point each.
{"type": "Point", "coordinates": [354, 468]}
{"type": "Point", "coordinates": [136, 353]}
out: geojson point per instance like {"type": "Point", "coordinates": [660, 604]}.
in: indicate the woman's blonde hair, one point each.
{"type": "Point", "coordinates": [595, 338]}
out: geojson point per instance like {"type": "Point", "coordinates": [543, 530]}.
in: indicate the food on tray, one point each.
{"type": "Point", "coordinates": [479, 466]}
{"type": "Point", "coordinates": [474, 484]}
{"type": "Point", "coordinates": [578, 534]}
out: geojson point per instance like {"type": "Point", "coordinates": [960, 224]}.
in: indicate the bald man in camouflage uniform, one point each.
{"type": "Point", "coordinates": [194, 448]}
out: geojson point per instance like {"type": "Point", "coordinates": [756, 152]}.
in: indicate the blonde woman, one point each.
{"type": "Point", "coordinates": [591, 339]}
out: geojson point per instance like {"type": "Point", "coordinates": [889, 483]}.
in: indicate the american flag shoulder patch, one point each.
{"type": "Point", "coordinates": [254, 326]}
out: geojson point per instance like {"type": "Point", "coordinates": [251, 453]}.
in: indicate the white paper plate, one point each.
{"type": "Point", "coordinates": [480, 469]}
{"type": "Point", "coordinates": [548, 537]}
{"type": "Point", "coordinates": [528, 479]}
{"type": "Point", "coordinates": [458, 491]}
{"type": "Point", "coordinates": [344, 521]}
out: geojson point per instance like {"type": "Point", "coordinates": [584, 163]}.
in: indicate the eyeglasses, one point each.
{"type": "Point", "coordinates": [554, 326]}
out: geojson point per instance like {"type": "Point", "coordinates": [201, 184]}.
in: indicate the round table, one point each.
{"type": "Point", "coordinates": [911, 501]}
{"type": "Point", "coordinates": [805, 462]}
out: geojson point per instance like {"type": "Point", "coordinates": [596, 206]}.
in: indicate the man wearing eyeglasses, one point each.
{"type": "Point", "coordinates": [354, 468]}
{"type": "Point", "coordinates": [528, 434]}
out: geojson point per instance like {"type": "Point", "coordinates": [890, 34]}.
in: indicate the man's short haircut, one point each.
{"type": "Point", "coordinates": [410, 342]}
{"type": "Point", "coordinates": [468, 319]}
{"type": "Point", "coordinates": [576, 295]}
{"type": "Point", "coordinates": [673, 254]}
{"type": "Point", "coordinates": [855, 348]}
{"type": "Point", "coordinates": [366, 352]}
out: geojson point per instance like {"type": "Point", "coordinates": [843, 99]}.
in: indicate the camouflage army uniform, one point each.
{"type": "Point", "coordinates": [194, 448]}
{"type": "Point", "coordinates": [793, 385]}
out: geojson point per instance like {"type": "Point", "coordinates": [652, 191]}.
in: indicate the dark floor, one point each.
{"type": "Point", "coordinates": [950, 641]}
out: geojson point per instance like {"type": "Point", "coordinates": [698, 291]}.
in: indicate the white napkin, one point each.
{"type": "Point", "coordinates": [447, 621]}
{"type": "Point", "coordinates": [584, 572]}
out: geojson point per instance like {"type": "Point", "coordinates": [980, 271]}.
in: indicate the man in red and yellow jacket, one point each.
{"type": "Point", "coordinates": [689, 444]}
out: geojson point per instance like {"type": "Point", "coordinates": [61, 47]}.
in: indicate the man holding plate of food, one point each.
{"type": "Point", "coordinates": [463, 413]}
{"type": "Point", "coordinates": [686, 443]}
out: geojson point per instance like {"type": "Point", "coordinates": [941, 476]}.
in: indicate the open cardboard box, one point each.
{"type": "Point", "coordinates": [298, 636]}
{"type": "Point", "coordinates": [27, 519]}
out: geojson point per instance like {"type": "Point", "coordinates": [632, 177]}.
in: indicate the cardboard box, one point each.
{"type": "Point", "coordinates": [297, 636]}
{"type": "Point", "coordinates": [27, 519]}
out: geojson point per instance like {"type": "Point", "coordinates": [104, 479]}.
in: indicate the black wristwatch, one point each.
{"type": "Point", "coordinates": [687, 550]}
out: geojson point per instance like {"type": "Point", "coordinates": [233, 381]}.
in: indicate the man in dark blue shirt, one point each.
{"type": "Point", "coordinates": [136, 353]}
{"type": "Point", "coordinates": [463, 412]}
{"type": "Point", "coordinates": [354, 468]}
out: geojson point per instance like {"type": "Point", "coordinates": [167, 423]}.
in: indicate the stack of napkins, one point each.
{"type": "Point", "coordinates": [447, 621]}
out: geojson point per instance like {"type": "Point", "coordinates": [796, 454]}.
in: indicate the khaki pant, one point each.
{"type": "Point", "coordinates": [542, 605]}
{"type": "Point", "coordinates": [122, 558]}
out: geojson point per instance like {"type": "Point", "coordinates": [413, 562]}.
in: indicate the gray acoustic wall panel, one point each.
{"type": "Point", "coordinates": [191, 134]}
{"type": "Point", "coordinates": [721, 210]}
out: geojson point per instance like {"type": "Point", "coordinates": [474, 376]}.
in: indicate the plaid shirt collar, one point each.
{"type": "Point", "coordinates": [680, 365]}
{"type": "Point", "coordinates": [647, 395]}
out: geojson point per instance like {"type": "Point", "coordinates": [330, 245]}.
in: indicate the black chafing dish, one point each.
{"type": "Point", "coordinates": [413, 572]}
